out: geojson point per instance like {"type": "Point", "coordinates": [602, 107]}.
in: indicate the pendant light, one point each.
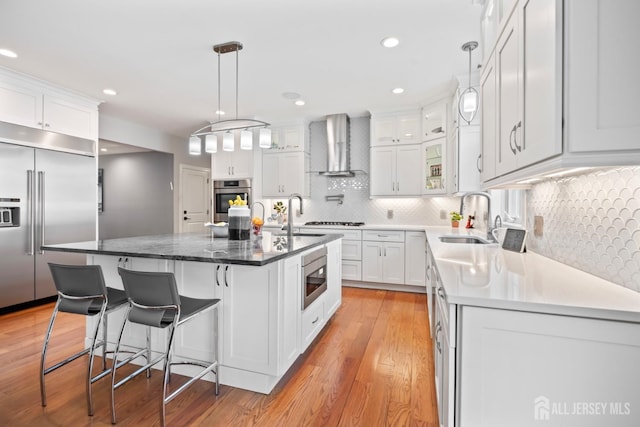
{"type": "Point", "coordinates": [228, 141]}
{"type": "Point", "coordinates": [195, 145]}
{"type": "Point", "coordinates": [211, 143]}
{"type": "Point", "coordinates": [265, 138]}
{"type": "Point", "coordinates": [468, 101]}
{"type": "Point", "coordinates": [227, 126]}
{"type": "Point", "coordinates": [246, 140]}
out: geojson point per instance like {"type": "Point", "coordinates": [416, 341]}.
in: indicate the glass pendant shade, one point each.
{"type": "Point", "coordinates": [470, 101]}
{"type": "Point", "coordinates": [228, 141]}
{"type": "Point", "coordinates": [246, 140]}
{"type": "Point", "coordinates": [211, 143]}
{"type": "Point", "coordinates": [195, 146]}
{"type": "Point", "coordinates": [265, 138]}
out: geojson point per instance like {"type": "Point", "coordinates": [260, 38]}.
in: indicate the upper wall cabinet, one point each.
{"type": "Point", "coordinates": [559, 90]}
{"type": "Point", "coordinates": [284, 174]}
{"type": "Point", "coordinates": [290, 137]}
{"type": "Point", "coordinates": [601, 75]}
{"type": "Point", "coordinates": [434, 121]}
{"type": "Point", "coordinates": [434, 166]}
{"type": "Point", "coordinates": [32, 103]}
{"type": "Point", "coordinates": [232, 164]}
{"type": "Point", "coordinates": [395, 128]}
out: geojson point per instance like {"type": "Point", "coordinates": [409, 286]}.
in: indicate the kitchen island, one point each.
{"type": "Point", "coordinates": [263, 327]}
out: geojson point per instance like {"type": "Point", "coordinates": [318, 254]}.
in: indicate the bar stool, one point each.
{"type": "Point", "coordinates": [155, 302]}
{"type": "Point", "coordinates": [81, 290]}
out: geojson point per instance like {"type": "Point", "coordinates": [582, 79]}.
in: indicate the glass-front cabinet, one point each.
{"type": "Point", "coordinates": [434, 166]}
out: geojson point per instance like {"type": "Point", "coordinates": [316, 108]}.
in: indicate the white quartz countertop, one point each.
{"type": "Point", "coordinates": [489, 276]}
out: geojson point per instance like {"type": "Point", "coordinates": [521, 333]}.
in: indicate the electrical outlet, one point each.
{"type": "Point", "coordinates": [390, 213]}
{"type": "Point", "coordinates": [443, 214]}
{"type": "Point", "coordinates": [538, 225]}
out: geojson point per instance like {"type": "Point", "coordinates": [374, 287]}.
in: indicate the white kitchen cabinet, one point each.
{"type": "Point", "coordinates": [601, 76]}
{"type": "Point", "coordinates": [529, 86]}
{"type": "Point", "coordinates": [284, 174]}
{"type": "Point", "coordinates": [333, 297]}
{"type": "Point", "coordinates": [232, 164]}
{"type": "Point", "coordinates": [383, 256]}
{"type": "Point", "coordinates": [395, 128]}
{"type": "Point", "coordinates": [465, 150]}
{"type": "Point", "coordinates": [415, 258]}
{"type": "Point", "coordinates": [249, 306]}
{"type": "Point", "coordinates": [434, 121]}
{"type": "Point", "coordinates": [551, 358]}
{"type": "Point", "coordinates": [444, 352]}
{"type": "Point", "coordinates": [395, 171]}
{"type": "Point", "coordinates": [293, 137]}
{"type": "Point", "coordinates": [289, 313]}
{"type": "Point", "coordinates": [34, 104]}
{"type": "Point", "coordinates": [489, 107]}
{"type": "Point", "coordinates": [434, 166]}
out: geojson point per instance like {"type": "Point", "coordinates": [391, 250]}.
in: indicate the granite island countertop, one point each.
{"type": "Point", "coordinates": [201, 247]}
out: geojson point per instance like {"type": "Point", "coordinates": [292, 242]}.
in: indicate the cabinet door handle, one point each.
{"type": "Point", "coordinates": [226, 268]}
{"type": "Point", "coordinates": [397, 186]}
{"type": "Point", "coordinates": [511, 138]}
{"type": "Point", "coordinates": [515, 136]}
{"type": "Point", "coordinates": [39, 123]}
{"type": "Point", "coordinates": [186, 218]}
{"type": "Point", "coordinates": [47, 125]}
{"type": "Point", "coordinates": [441, 292]}
{"type": "Point", "coordinates": [316, 320]}
{"type": "Point", "coordinates": [478, 163]}
{"type": "Point", "coordinates": [217, 275]}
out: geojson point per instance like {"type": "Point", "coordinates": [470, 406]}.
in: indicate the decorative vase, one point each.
{"type": "Point", "coordinates": [455, 224]}
{"type": "Point", "coordinates": [280, 218]}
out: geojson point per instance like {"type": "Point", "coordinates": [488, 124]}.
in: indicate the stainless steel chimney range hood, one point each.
{"type": "Point", "coordinates": [338, 148]}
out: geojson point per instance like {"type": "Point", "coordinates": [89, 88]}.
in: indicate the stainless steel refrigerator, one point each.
{"type": "Point", "coordinates": [47, 195]}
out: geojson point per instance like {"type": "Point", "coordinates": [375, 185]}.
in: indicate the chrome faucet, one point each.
{"type": "Point", "coordinates": [289, 224]}
{"type": "Point", "coordinates": [488, 197]}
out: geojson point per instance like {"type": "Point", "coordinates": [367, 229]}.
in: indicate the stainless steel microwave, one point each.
{"type": "Point", "coordinates": [226, 190]}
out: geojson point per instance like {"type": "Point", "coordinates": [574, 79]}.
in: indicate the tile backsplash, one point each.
{"type": "Point", "coordinates": [591, 222]}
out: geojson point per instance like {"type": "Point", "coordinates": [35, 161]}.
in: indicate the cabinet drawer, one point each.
{"type": "Point", "coordinates": [312, 322]}
{"type": "Point", "coordinates": [383, 235]}
{"type": "Point", "coordinates": [351, 270]}
{"type": "Point", "coordinates": [352, 250]}
{"type": "Point", "coordinates": [346, 234]}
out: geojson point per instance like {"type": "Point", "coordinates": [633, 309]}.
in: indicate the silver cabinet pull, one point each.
{"type": "Point", "coordinates": [226, 268]}
{"type": "Point", "coordinates": [511, 138]}
{"type": "Point", "coordinates": [316, 320]}
{"type": "Point", "coordinates": [217, 275]}
{"type": "Point", "coordinates": [478, 163]}
{"type": "Point", "coordinates": [515, 136]}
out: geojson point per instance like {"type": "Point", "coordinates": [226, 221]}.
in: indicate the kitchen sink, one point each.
{"type": "Point", "coordinates": [464, 239]}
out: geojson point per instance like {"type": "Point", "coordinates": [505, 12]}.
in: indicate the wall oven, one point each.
{"type": "Point", "coordinates": [226, 190]}
{"type": "Point", "coordinates": [314, 276]}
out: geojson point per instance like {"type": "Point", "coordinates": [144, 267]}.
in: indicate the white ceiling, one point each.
{"type": "Point", "coordinates": [157, 54]}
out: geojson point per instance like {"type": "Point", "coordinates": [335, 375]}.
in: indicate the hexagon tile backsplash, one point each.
{"type": "Point", "coordinates": [591, 222]}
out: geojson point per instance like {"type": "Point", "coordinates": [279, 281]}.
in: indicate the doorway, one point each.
{"type": "Point", "coordinates": [194, 208]}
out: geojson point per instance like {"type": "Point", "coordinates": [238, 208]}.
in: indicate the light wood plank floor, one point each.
{"type": "Point", "coordinates": [372, 366]}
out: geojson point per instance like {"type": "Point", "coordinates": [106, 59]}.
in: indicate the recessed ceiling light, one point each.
{"type": "Point", "coordinates": [291, 95]}
{"type": "Point", "coordinates": [110, 92]}
{"type": "Point", "coordinates": [8, 53]}
{"type": "Point", "coordinates": [220, 113]}
{"type": "Point", "coordinates": [103, 149]}
{"type": "Point", "coordinates": [390, 42]}
{"type": "Point", "coordinates": [397, 90]}
{"type": "Point", "coordinates": [299, 102]}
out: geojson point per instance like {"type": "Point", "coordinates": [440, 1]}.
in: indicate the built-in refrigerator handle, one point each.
{"type": "Point", "coordinates": [41, 210]}
{"type": "Point", "coordinates": [30, 224]}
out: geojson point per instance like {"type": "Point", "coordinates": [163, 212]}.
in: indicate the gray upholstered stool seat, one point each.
{"type": "Point", "coordinates": [155, 302]}
{"type": "Point", "coordinates": [82, 290]}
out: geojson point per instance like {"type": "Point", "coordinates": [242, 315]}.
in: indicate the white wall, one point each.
{"type": "Point", "coordinates": [137, 196]}
{"type": "Point", "coordinates": [122, 131]}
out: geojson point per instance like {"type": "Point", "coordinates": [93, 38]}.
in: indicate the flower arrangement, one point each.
{"type": "Point", "coordinates": [280, 208]}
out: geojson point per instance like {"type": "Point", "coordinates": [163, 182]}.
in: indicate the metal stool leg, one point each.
{"type": "Point", "coordinates": [113, 371]}
{"type": "Point", "coordinates": [43, 356]}
{"type": "Point", "coordinates": [92, 353]}
{"type": "Point", "coordinates": [148, 350]}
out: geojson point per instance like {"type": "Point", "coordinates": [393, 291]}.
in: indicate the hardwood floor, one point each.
{"type": "Point", "coordinates": [372, 366]}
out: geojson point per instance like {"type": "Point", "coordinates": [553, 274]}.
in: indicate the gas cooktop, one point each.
{"type": "Point", "coordinates": [340, 223]}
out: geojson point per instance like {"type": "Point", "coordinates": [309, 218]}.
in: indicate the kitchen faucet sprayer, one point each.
{"type": "Point", "coordinates": [488, 197]}
{"type": "Point", "coordinates": [289, 224]}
